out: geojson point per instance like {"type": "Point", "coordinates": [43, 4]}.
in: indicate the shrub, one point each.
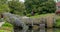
{"type": "Point", "coordinates": [28, 15]}
{"type": "Point", "coordinates": [7, 24]}
{"type": "Point", "coordinates": [57, 24]}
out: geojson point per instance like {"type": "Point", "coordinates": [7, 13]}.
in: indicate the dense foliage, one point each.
{"type": "Point", "coordinates": [28, 7]}
{"type": "Point", "coordinates": [16, 7]}
{"type": "Point", "coordinates": [13, 6]}
{"type": "Point", "coordinates": [40, 6]}
{"type": "Point", "coordinates": [4, 6]}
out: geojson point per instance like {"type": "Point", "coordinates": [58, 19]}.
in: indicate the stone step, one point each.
{"type": "Point", "coordinates": [1, 23]}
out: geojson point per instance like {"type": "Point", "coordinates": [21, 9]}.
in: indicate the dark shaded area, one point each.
{"type": "Point", "coordinates": [17, 28]}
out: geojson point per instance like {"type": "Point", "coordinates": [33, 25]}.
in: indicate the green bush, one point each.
{"type": "Point", "coordinates": [28, 15]}
{"type": "Point", "coordinates": [1, 30]}
{"type": "Point", "coordinates": [57, 24]}
{"type": "Point", "coordinates": [36, 13]}
{"type": "Point", "coordinates": [7, 25]}
{"type": "Point", "coordinates": [5, 31]}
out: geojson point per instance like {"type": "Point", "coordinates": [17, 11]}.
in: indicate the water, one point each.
{"type": "Point", "coordinates": [42, 30]}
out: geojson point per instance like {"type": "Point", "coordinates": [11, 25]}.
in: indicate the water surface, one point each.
{"type": "Point", "coordinates": [42, 30]}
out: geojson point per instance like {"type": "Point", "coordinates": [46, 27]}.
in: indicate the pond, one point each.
{"type": "Point", "coordinates": [42, 30]}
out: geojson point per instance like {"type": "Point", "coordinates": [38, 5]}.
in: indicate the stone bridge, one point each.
{"type": "Point", "coordinates": [43, 21]}
{"type": "Point", "coordinates": [18, 21]}
{"type": "Point", "coordinates": [48, 20]}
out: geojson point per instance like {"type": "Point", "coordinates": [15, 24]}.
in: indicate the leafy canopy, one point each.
{"type": "Point", "coordinates": [40, 6]}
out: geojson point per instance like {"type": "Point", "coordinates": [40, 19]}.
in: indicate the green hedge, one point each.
{"type": "Point", "coordinates": [57, 24]}
{"type": "Point", "coordinates": [7, 25]}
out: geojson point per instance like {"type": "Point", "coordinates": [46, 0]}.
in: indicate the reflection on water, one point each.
{"type": "Point", "coordinates": [50, 30]}
{"type": "Point", "coordinates": [32, 31]}
{"type": "Point", "coordinates": [42, 30]}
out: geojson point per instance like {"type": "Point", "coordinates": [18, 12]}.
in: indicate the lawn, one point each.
{"type": "Point", "coordinates": [7, 27]}
{"type": "Point", "coordinates": [42, 15]}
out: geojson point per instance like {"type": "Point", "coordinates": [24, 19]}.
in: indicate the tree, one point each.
{"type": "Point", "coordinates": [16, 7]}
{"type": "Point", "coordinates": [3, 6]}
{"type": "Point", "coordinates": [40, 6]}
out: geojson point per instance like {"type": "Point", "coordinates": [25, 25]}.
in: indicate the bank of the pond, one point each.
{"type": "Point", "coordinates": [7, 27]}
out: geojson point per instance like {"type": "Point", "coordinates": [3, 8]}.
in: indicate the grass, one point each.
{"type": "Point", "coordinates": [42, 15]}
{"type": "Point", "coordinates": [7, 27]}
